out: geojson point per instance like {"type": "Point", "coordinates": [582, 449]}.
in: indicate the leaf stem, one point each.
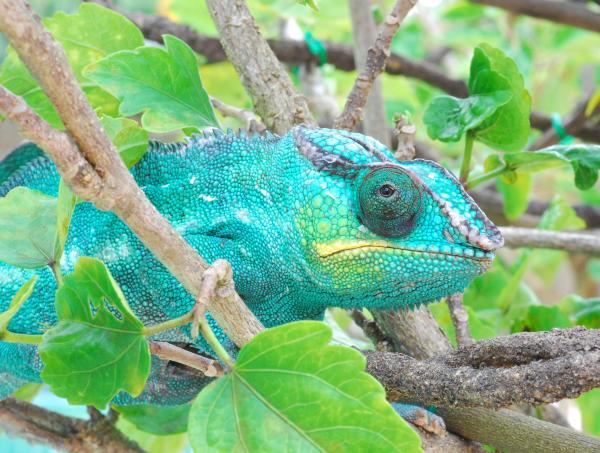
{"type": "Point", "coordinates": [12, 337]}
{"type": "Point", "coordinates": [55, 266]}
{"type": "Point", "coordinates": [486, 177]}
{"type": "Point", "coordinates": [466, 162]}
{"type": "Point", "coordinates": [149, 331]}
{"type": "Point", "coordinates": [215, 344]}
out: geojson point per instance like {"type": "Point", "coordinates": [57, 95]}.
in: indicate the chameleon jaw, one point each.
{"type": "Point", "coordinates": [329, 249]}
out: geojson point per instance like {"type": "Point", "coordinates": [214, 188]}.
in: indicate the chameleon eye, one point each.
{"type": "Point", "coordinates": [389, 201]}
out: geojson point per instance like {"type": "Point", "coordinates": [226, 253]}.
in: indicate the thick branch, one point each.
{"type": "Point", "coordinates": [562, 12]}
{"type": "Point", "coordinates": [269, 86]}
{"type": "Point", "coordinates": [168, 351]}
{"type": "Point", "coordinates": [63, 433]}
{"type": "Point", "coordinates": [530, 368]}
{"type": "Point", "coordinates": [586, 243]}
{"type": "Point", "coordinates": [376, 61]}
{"type": "Point", "coordinates": [118, 191]}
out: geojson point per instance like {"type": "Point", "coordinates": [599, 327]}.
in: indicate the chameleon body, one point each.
{"type": "Point", "coordinates": [313, 219]}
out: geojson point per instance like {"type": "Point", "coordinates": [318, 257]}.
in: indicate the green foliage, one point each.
{"type": "Point", "coordinates": [159, 420]}
{"type": "Point", "coordinates": [153, 443]}
{"type": "Point", "coordinates": [589, 403]}
{"type": "Point", "coordinates": [164, 84]}
{"type": "Point", "coordinates": [448, 118]}
{"type": "Point", "coordinates": [17, 301]}
{"type": "Point", "coordinates": [97, 348]}
{"type": "Point", "coordinates": [496, 111]}
{"type": "Point", "coordinates": [92, 33]}
{"type": "Point", "coordinates": [27, 228]}
{"type": "Point", "coordinates": [289, 387]}
{"type": "Point", "coordinates": [128, 137]}
{"type": "Point", "coordinates": [583, 158]}
{"type": "Point", "coordinates": [515, 192]}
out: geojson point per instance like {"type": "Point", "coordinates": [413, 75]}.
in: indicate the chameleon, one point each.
{"type": "Point", "coordinates": [312, 219]}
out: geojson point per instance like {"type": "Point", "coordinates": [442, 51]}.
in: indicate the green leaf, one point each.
{"type": "Point", "coordinates": [515, 194]}
{"type": "Point", "coordinates": [589, 404]}
{"type": "Point", "coordinates": [87, 36]}
{"type": "Point", "coordinates": [542, 318]}
{"type": "Point", "coordinates": [164, 84]}
{"type": "Point", "coordinates": [97, 348]}
{"type": "Point", "coordinates": [27, 228]}
{"type": "Point", "coordinates": [447, 118]}
{"type": "Point", "coordinates": [560, 215]}
{"type": "Point", "coordinates": [583, 312]}
{"type": "Point", "coordinates": [152, 443]}
{"type": "Point", "coordinates": [161, 420]}
{"type": "Point", "coordinates": [292, 391]}
{"type": "Point", "coordinates": [128, 137]}
{"type": "Point", "coordinates": [17, 301]}
{"type": "Point", "coordinates": [492, 71]}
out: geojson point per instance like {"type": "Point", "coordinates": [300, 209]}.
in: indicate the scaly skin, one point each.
{"type": "Point", "coordinates": [314, 219]}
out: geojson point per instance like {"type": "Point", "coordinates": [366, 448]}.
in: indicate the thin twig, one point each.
{"type": "Point", "coordinates": [168, 351]}
{"type": "Point", "coordinates": [376, 60]}
{"type": "Point", "coordinates": [405, 131]}
{"type": "Point", "coordinates": [252, 122]}
{"type": "Point", "coordinates": [585, 243]}
{"type": "Point", "coordinates": [372, 331]}
{"type": "Point", "coordinates": [562, 12]}
{"type": "Point", "coordinates": [460, 320]}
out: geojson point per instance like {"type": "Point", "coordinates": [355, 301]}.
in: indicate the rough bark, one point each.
{"type": "Point", "coordinates": [460, 319]}
{"type": "Point", "coordinates": [268, 84]}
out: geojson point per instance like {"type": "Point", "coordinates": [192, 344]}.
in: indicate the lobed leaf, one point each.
{"type": "Point", "coordinates": [291, 391]}
{"type": "Point", "coordinates": [97, 348]}
{"type": "Point", "coordinates": [128, 137]}
{"type": "Point", "coordinates": [160, 420]}
{"type": "Point", "coordinates": [449, 118]}
{"type": "Point", "coordinates": [164, 84]}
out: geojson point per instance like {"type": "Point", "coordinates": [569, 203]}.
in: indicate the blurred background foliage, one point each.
{"type": "Point", "coordinates": [525, 290]}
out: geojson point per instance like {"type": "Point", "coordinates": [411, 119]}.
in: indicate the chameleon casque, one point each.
{"type": "Point", "coordinates": [313, 219]}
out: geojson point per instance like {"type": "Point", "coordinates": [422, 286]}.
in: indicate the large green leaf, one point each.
{"type": "Point", "coordinates": [97, 348]}
{"type": "Point", "coordinates": [291, 391]}
{"type": "Point", "coordinates": [27, 228]}
{"type": "Point", "coordinates": [160, 420]}
{"type": "Point", "coordinates": [515, 194]}
{"type": "Point", "coordinates": [128, 137]}
{"type": "Point", "coordinates": [448, 118]}
{"type": "Point", "coordinates": [164, 84]}
{"type": "Point", "coordinates": [492, 71]}
{"type": "Point", "coordinates": [17, 301]}
{"type": "Point", "coordinates": [87, 36]}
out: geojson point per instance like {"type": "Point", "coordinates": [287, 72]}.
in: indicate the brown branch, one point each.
{"type": "Point", "coordinates": [586, 243]}
{"type": "Point", "coordinates": [63, 433]}
{"type": "Point", "coordinates": [530, 368]}
{"type": "Point", "coordinates": [269, 86]}
{"type": "Point", "coordinates": [364, 31]}
{"type": "Point", "coordinates": [405, 134]}
{"type": "Point", "coordinates": [556, 11]}
{"type": "Point", "coordinates": [376, 61]}
{"type": "Point", "coordinates": [168, 351]}
{"type": "Point", "coordinates": [103, 178]}
{"type": "Point", "coordinates": [460, 319]}
{"type": "Point", "coordinates": [252, 122]}
{"type": "Point", "coordinates": [372, 331]}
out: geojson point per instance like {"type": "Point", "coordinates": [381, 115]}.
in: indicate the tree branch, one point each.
{"type": "Point", "coordinates": [460, 319]}
{"type": "Point", "coordinates": [168, 351]}
{"type": "Point", "coordinates": [586, 243]}
{"type": "Point", "coordinates": [269, 86]}
{"type": "Point", "coordinates": [252, 122]}
{"type": "Point", "coordinates": [520, 368]}
{"type": "Point", "coordinates": [63, 433]}
{"type": "Point", "coordinates": [101, 176]}
{"type": "Point", "coordinates": [556, 11]}
{"type": "Point", "coordinates": [376, 61]}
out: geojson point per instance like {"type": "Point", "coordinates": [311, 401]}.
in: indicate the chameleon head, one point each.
{"type": "Point", "coordinates": [384, 233]}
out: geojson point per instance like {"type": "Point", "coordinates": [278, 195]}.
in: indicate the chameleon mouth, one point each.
{"type": "Point", "coordinates": [468, 253]}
